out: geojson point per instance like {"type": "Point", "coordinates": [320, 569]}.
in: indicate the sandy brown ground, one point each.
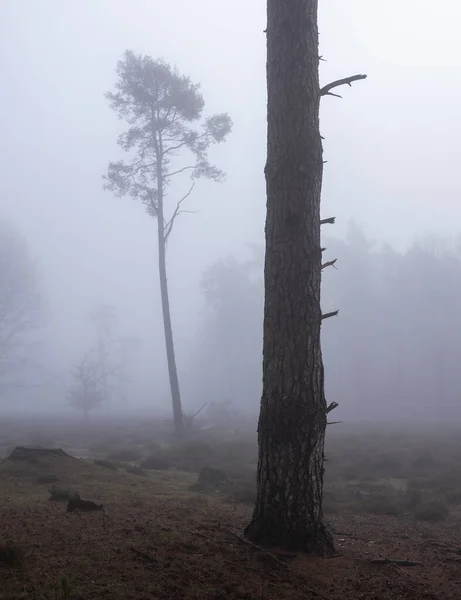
{"type": "Point", "coordinates": [158, 540]}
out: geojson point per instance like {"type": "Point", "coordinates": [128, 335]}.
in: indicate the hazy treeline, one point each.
{"type": "Point", "coordinates": [21, 312]}
{"type": "Point", "coordinates": [393, 350]}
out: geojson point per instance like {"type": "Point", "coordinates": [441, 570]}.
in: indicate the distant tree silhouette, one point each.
{"type": "Point", "coordinates": [88, 387]}
{"type": "Point", "coordinates": [21, 307]}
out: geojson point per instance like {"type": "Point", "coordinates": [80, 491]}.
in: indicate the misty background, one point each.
{"type": "Point", "coordinates": [391, 181]}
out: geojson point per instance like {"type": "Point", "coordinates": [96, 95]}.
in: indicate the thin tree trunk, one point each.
{"type": "Point", "coordinates": [170, 354]}
{"type": "Point", "coordinates": [288, 511]}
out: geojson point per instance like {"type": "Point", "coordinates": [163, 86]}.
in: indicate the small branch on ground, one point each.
{"type": "Point", "coordinates": [259, 548]}
{"type": "Point", "coordinates": [330, 221]}
{"type": "Point", "coordinates": [330, 314]}
{"type": "Point", "coordinates": [278, 562]}
{"type": "Point", "coordinates": [330, 263]}
{"type": "Point", "coordinates": [142, 555]}
{"type": "Point", "coordinates": [442, 546]}
{"type": "Point", "coordinates": [349, 535]}
{"type": "Point", "coordinates": [326, 90]}
{"type": "Point", "coordinates": [242, 566]}
{"type": "Point", "coordinates": [395, 561]}
{"type": "Point", "coordinates": [205, 537]}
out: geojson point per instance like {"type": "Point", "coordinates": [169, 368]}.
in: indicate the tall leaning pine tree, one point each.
{"type": "Point", "coordinates": [167, 140]}
{"type": "Point", "coordinates": [288, 511]}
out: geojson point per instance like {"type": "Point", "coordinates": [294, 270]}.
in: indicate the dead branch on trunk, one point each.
{"type": "Point", "coordinates": [330, 263]}
{"type": "Point", "coordinates": [331, 407]}
{"type": "Point", "coordinates": [330, 221]}
{"type": "Point", "coordinates": [330, 314]}
{"type": "Point", "coordinates": [326, 90]}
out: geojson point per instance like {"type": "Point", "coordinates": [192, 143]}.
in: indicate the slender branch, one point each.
{"type": "Point", "coordinates": [330, 263]}
{"type": "Point", "coordinates": [80, 369]}
{"type": "Point", "coordinates": [199, 411]}
{"type": "Point", "coordinates": [395, 561]}
{"type": "Point", "coordinates": [330, 221]}
{"type": "Point", "coordinates": [104, 375]}
{"type": "Point", "coordinates": [178, 171]}
{"type": "Point", "coordinates": [326, 90]}
{"type": "Point", "coordinates": [169, 225]}
{"type": "Point", "coordinates": [330, 314]}
{"type": "Point", "coordinates": [322, 249]}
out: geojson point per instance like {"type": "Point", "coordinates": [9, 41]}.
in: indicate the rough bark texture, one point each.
{"type": "Point", "coordinates": [170, 354]}
{"type": "Point", "coordinates": [291, 432]}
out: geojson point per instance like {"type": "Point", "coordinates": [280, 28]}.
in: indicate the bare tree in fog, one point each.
{"type": "Point", "coordinates": [161, 107]}
{"type": "Point", "coordinates": [20, 308]}
{"type": "Point", "coordinates": [89, 384]}
{"type": "Point", "coordinates": [292, 423]}
{"type": "Point", "coordinates": [103, 319]}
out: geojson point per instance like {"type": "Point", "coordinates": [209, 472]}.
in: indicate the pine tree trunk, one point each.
{"type": "Point", "coordinates": [170, 354]}
{"type": "Point", "coordinates": [292, 423]}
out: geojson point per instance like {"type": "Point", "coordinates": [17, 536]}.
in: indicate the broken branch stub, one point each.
{"type": "Point", "coordinates": [330, 314]}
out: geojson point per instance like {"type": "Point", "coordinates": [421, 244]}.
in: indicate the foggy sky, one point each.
{"type": "Point", "coordinates": [391, 143]}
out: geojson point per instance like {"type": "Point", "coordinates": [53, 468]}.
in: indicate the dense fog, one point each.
{"type": "Point", "coordinates": [391, 353]}
{"type": "Point", "coordinates": [78, 266]}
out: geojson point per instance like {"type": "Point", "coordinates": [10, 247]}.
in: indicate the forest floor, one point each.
{"type": "Point", "coordinates": [158, 539]}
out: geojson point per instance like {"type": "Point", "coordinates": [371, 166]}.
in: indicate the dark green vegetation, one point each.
{"type": "Point", "coordinates": [383, 470]}
{"type": "Point", "coordinates": [394, 472]}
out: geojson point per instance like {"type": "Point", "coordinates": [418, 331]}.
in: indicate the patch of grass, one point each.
{"type": "Point", "coordinates": [125, 455]}
{"type": "Point", "coordinates": [47, 479]}
{"type": "Point", "coordinates": [133, 470]}
{"type": "Point", "coordinates": [382, 504]}
{"type": "Point", "coordinates": [453, 497]}
{"type": "Point", "coordinates": [11, 555]}
{"type": "Point", "coordinates": [155, 463]}
{"type": "Point", "coordinates": [63, 591]}
{"type": "Point", "coordinates": [434, 511]}
{"type": "Point", "coordinates": [137, 501]}
{"type": "Point", "coordinates": [243, 492]}
{"type": "Point", "coordinates": [412, 498]}
{"type": "Point", "coordinates": [106, 464]}
{"type": "Point", "coordinates": [61, 494]}
{"type": "Point", "coordinates": [153, 447]}
{"type": "Point", "coordinates": [99, 448]}
{"type": "Point", "coordinates": [192, 455]}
